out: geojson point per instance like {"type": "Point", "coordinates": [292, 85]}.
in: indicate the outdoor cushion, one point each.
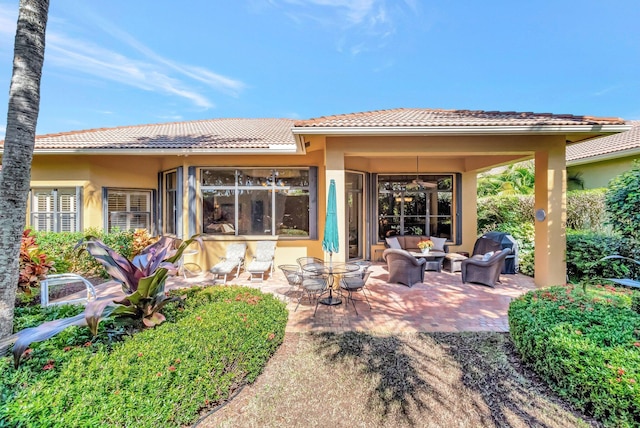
{"type": "Point", "coordinates": [393, 243]}
{"type": "Point", "coordinates": [438, 243]}
{"type": "Point", "coordinates": [487, 256]}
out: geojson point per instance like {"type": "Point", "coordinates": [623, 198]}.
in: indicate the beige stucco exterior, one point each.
{"type": "Point", "coordinates": [333, 155]}
{"type": "Point", "coordinates": [597, 174]}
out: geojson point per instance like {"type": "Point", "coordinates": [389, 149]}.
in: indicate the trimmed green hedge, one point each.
{"type": "Point", "coordinates": [585, 249]}
{"type": "Point", "coordinates": [221, 339]}
{"type": "Point", "coordinates": [586, 345]}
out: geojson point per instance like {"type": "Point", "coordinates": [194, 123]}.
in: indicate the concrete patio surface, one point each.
{"type": "Point", "coordinates": [442, 303]}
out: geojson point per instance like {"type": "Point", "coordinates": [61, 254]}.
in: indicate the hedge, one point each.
{"type": "Point", "coordinates": [165, 376]}
{"type": "Point", "coordinates": [586, 345]}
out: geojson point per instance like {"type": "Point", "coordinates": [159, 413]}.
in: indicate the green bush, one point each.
{"type": "Point", "coordinates": [60, 248]}
{"type": "Point", "coordinates": [585, 345]}
{"type": "Point", "coordinates": [585, 249]}
{"type": "Point", "coordinates": [165, 376]}
{"type": "Point", "coordinates": [496, 210]}
{"type": "Point", "coordinates": [586, 210]}
{"type": "Point", "coordinates": [622, 202]}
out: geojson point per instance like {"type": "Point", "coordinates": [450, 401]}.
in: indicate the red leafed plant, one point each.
{"type": "Point", "coordinates": [33, 263]}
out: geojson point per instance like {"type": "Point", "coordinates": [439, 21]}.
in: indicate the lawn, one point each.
{"type": "Point", "coordinates": [406, 380]}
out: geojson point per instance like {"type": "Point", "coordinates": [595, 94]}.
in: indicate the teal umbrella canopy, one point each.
{"type": "Point", "coordinates": [331, 240]}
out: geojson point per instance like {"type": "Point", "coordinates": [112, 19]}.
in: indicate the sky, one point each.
{"type": "Point", "coordinates": [122, 62]}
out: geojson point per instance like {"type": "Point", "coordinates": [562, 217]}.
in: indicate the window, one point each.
{"type": "Point", "coordinates": [55, 210]}
{"type": "Point", "coordinates": [256, 201]}
{"type": "Point", "coordinates": [128, 209]}
{"type": "Point", "coordinates": [170, 206]}
{"type": "Point", "coordinates": [407, 206]}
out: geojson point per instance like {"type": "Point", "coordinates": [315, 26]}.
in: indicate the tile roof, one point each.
{"type": "Point", "coordinates": [609, 145]}
{"type": "Point", "coordinates": [213, 134]}
{"type": "Point", "coordinates": [408, 117]}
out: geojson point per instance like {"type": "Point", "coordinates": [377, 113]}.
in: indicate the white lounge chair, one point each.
{"type": "Point", "coordinates": [233, 260]}
{"type": "Point", "coordinates": [262, 260]}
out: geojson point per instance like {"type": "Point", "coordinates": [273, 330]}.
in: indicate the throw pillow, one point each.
{"type": "Point", "coordinates": [438, 243]}
{"type": "Point", "coordinates": [487, 256]}
{"type": "Point", "coordinates": [393, 243]}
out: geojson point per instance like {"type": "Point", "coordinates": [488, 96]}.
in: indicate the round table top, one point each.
{"type": "Point", "coordinates": [331, 268]}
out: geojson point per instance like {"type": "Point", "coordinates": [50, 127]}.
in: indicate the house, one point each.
{"type": "Point", "coordinates": [399, 171]}
{"type": "Point", "coordinates": [596, 162]}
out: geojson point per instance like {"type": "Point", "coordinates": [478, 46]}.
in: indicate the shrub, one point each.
{"type": "Point", "coordinates": [585, 249]}
{"type": "Point", "coordinates": [164, 376]}
{"type": "Point", "coordinates": [61, 248]}
{"type": "Point", "coordinates": [496, 210]}
{"type": "Point", "coordinates": [33, 263]}
{"type": "Point", "coordinates": [622, 202]}
{"type": "Point", "coordinates": [586, 210]}
{"type": "Point", "coordinates": [585, 345]}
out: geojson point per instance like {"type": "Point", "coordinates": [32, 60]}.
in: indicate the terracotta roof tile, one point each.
{"type": "Point", "coordinates": [195, 135]}
{"type": "Point", "coordinates": [610, 144]}
{"type": "Point", "coordinates": [406, 117]}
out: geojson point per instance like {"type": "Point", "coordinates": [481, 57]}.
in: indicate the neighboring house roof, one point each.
{"type": "Point", "coordinates": [286, 136]}
{"type": "Point", "coordinates": [212, 135]}
{"type": "Point", "coordinates": [609, 147]}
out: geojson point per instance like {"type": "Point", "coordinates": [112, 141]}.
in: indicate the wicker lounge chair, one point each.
{"type": "Point", "coordinates": [403, 267]}
{"type": "Point", "coordinates": [487, 272]}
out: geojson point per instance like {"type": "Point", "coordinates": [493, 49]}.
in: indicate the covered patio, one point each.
{"type": "Point", "coordinates": [442, 303]}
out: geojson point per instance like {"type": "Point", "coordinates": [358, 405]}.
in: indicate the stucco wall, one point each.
{"type": "Point", "coordinates": [598, 174]}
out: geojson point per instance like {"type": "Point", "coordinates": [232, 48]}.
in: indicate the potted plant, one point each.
{"type": "Point", "coordinates": [425, 245]}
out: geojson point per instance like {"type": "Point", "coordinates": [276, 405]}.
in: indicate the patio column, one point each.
{"type": "Point", "coordinates": [334, 163]}
{"type": "Point", "coordinates": [550, 210]}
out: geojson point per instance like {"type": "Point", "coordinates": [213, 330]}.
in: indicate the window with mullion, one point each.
{"type": "Point", "coordinates": [255, 201]}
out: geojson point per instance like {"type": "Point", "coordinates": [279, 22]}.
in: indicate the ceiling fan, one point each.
{"type": "Point", "coordinates": [419, 184]}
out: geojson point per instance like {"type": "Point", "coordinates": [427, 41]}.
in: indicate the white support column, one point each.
{"type": "Point", "coordinates": [550, 223]}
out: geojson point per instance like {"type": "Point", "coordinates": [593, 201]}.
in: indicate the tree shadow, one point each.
{"type": "Point", "coordinates": [399, 382]}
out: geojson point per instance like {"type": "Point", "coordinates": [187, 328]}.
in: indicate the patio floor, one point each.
{"type": "Point", "coordinates": [441, 303]}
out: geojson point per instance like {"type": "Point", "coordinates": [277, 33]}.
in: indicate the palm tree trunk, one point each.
{"type": "Point", "coordinates": [22, 117]}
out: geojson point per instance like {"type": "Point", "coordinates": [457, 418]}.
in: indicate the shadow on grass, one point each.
{"type": "Point", "coordinates": [431, 375]}
{"type": "Point", "coordinates": [490, 366]}
{"type": "Point", "coordinates": [384, 357]}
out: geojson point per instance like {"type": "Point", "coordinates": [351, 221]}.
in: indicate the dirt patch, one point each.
{"type": "Point", "coordinates": [425, 380]}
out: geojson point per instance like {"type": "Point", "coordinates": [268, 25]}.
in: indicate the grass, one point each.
{"type": "Point", "coordinates": [408, 380]}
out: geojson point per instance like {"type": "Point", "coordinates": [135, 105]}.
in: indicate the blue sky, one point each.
{"type": "Point", "coordinates": [115, 63]}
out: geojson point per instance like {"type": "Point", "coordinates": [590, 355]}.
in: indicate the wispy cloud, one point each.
{"type": "Point", "coordinates": [605, 91]}
{"type": "Point", "coordinates": [3, 131]}
{"type": "Point", "coordinates": [362, 25]}
{"type": "Point", "coordinates": [148, 71]}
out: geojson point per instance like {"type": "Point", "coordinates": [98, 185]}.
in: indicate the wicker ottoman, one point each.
{"type": "Point", "coordinates": [453, 262]}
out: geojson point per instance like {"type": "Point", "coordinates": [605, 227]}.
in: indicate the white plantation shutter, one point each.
{"type": "Point", "coordinates": [55, 210]}
{"type": "Point", "coordinates": [67, 207]}
{"type": "Point", "coordinates": [128, 209]}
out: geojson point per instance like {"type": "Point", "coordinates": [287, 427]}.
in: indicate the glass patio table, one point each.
{"type": "Point", "coordinates": [330, 271]}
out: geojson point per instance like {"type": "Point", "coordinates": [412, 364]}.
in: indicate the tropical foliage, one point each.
{"type": "Point", "coordinates": [215, 340]}
{"type": "Point", "coordinates": [143, 284]}
{"type": "Point", "coordinates": [623, 206]}
{"type": "Point", "coordinates": [34, 264]}
{"type": "Point", "coordinates": [515, 179]}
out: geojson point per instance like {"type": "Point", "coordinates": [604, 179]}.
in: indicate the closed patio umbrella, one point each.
{"type": "Point", "coordinates": [331, 240]}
